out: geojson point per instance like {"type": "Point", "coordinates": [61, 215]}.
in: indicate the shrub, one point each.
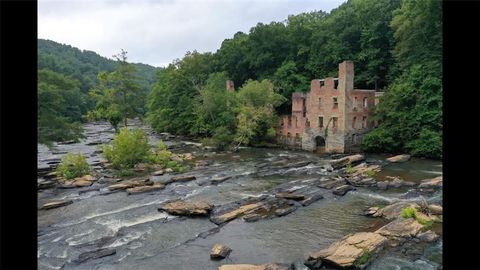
{"type": "Point", "coordinates": [222, 138]}
{"type": "Point", "coordinates": [127, 149]}
{"type": "Point", "coordinates": [409, 212]}
{"type": "Point", "coordinates": [380, 140]}
{"type": "Point", "coordinates": [428, 144]}
{"type": "Point", "coordinates": [162, 157]}
{"type": "Point", "coordinates": [73, 165]}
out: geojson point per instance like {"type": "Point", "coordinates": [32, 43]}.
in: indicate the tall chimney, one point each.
{"type": "Point", "coordinates": [345, 75]}
{"type": "Point", "coordinates": [230, 86]}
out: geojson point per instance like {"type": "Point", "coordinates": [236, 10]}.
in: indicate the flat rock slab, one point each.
{"type": "Point", "coordinates": [56, 204]}
{"type": "Point", "coordinates": [157, 173]}
{"type": "Point", "coordinates": [436, 182]}
{"type": "Point", "coordinates": [435, 209]}
{"type": "Point", "coordinates": [401, 227]}
{"type": "Point", "coordinates": [130, 184]}
{"type": "Point", "coordinates": [234, 213]}
{"type": "Point", "coordinates": [95, 254]}
{"type": "Point", "coordinates": [331, 183]}
{"type": "Point", "coordinates": [46, 184]}
{"type": "Point", "coordinates": [183, 208]}
{"type": "Point", "coordinates": [219, 251]}
{"type": "Point", "coordinates": [399, 158]}
{"type": "Point", "coordinates": [342, 162]}
{"type": "Point", "coordinates": [290, 196]}
{"type": "Point", "coordinates": [141, 189]}
{"type": "Point", "coordinates": [311, 199]}
{"type": "Point", "coordinates": [274, 266]}
{"type": "Point", "coordinates": [346, 252]}
{"type": "Point", "coordinates": [342, 190]}
{"type": "Point", "coordinates": [184, 178]}
{"type": "Point", "coordinates": [218, 180]}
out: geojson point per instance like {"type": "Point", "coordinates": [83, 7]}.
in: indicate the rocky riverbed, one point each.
{"type": "Point", "coordinates": [269, 206]}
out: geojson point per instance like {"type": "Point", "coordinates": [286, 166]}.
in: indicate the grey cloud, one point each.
{"type": "Point", "coordinates": [156, 32]}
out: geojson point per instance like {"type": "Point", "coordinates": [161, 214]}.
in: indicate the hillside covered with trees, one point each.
{"type": "Point", "coordinates": [65, 77]}
{"type": "Point", "coordinates": [396, 46]}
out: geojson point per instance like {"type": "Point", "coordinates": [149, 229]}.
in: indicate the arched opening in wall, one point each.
{"type": "Point", "coordinates": [319, 144]}
{"type": "Point", "coordinates": [289, 138]}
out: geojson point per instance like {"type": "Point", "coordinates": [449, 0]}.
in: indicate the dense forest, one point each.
{"type": "Point", "coordinates": [396, 47]}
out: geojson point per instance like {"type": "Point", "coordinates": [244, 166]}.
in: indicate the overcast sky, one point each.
{"type": "Point", "coordinates": [156, 32]}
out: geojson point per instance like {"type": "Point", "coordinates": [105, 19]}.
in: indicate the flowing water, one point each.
{"type": "Point", "coordinates": [145, 238]}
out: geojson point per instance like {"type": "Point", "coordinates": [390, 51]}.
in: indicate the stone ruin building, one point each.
{"type": "Point", "coordinates": [332, 118]}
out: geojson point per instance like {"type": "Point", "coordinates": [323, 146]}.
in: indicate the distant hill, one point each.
{"type": "Point", "coordinates": [84, 65]}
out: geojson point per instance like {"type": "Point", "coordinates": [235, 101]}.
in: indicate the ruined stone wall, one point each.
{"type": "Point", "coordinates": [329, 99]}
{"type": "Point", "coordinates": [292, 126]}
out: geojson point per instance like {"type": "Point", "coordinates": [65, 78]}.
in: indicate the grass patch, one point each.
{"type": "Point", "coordinates": [370, 173]}
{"type": "Point", "coordinates": [366, 255]}
{"type": "Point", "coordinates": [409, 212]}
{"type": "Point", "coordinates": [349, 169]}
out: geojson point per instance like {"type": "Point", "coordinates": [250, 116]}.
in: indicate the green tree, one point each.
{"type": "Point", "coordinates": [256, 114]}
{"type": "Point", "coordinates": [410, 112]}
{"type": "Point", "coordinates": [118, 94]}
{"type": "Point", "coordinates": [59, 105]}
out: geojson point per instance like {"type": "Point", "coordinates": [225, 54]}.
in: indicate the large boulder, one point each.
{"type": "Point", "coordinates": [219, 251]}
{"type": "Point", "coordinates": [183, 208]}
{"type": "Point", "coordinates": [274, 266]}
{"type": "Point", "coordinates": [346, 252]}
{"type": "Point", "coordinates": [399, 158]}
{"type": "Point", "coordinates": [401, 228]}
{"type": "Point", "coordinates": [436, 182]}
{"type": "Point", "coordinates": [342, 162]}
{"type": "Point", "coordinates": [56, 204]}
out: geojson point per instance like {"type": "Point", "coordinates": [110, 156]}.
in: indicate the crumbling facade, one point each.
{"type": "Point", "coordinates": [332, 118]}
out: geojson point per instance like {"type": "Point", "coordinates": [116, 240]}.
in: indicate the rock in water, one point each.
{"type": "Point", "coordinates": [157, 173]}
{"type": "Point", "coordinates": [219, 251]}
{"type": "Point", "coordinates": [338, 163]}
{"type": "Point", "coordinates": [435, 209]}
{"type": "Point", "coordinates": [220, 179]}
{"type": "Point", "coordinates": [184, 178]}
{"type": "Point", "coordinates": [290, 196]}
{"type": "Point", "coordinates": [183, 208]}
{"type": "Point", "coordinates": [401, 227]}
{"type": "Point", "coordinates": [394, 211]}
{"type": "Point", "coordinates": [55, 204]}
{"type": "Point", "coordinates": [274, 266]}
{"type": "Point", "coordinates": [313, 198]}
{"type": "Point", "coordinates": [432, 183]}
{"type": "Point", "coordinates": [234, 213]}
{"type": "Point", "coordinates": [346, 252]}
{"type": "Point", "coordinates": [399, 158]}
{"type": "Point", "coordinates": [141, 189]}
{"type": "Point", "coordinates": [95, 254]}
{"type": "Point", "coordinates": [342, 190]}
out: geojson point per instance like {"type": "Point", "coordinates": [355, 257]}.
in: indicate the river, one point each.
{"type": "Point", "coordinates": [145, 238]}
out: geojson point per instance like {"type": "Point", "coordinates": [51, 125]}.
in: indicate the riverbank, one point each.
{"type": "Point", "coordinates": [145, 238]}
